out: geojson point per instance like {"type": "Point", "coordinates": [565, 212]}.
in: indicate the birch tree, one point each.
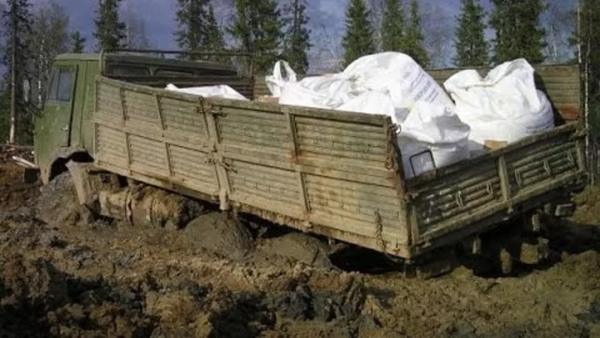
{"type": "Point", "coordinates": [560, 23]}
{"type": "Point", "coordinates": [17, 30]}
{"type": "Point", "coordinates": [50, 37]}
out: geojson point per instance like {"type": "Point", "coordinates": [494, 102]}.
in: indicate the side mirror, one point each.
{"type": "Point", "coordinates": [26, 90]}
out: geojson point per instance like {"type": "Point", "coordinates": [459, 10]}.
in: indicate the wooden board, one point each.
{"type": "Point", "coordinates": [316, 170]}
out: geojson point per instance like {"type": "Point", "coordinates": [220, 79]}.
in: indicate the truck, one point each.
{"type": "Point", "coordinates": [109, 121]}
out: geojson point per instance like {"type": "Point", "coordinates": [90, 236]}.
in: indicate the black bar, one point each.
{"type": "Point", "coordinates": [199, 53]}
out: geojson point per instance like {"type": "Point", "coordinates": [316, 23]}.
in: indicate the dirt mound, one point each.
{"type": "Point", "coordinates": [588, 206]}
{"type": "Point", "coordinates": [210, 280]}
{"type": "Point", "coordinates": [221, 234]}
{"type": "Point", "coordinates": [47, 291]}
{"type": "Point", "coordinates": [58, 203]}
{"type": "Point", "coordinates": [134, 282]}
{"type": "Point", "coordinates": [289, 249]}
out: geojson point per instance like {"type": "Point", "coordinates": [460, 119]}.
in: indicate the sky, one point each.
{"type": "Point", "coordinates": [159, 15]}
{"type": "Point", "coordinates": [327, 22]}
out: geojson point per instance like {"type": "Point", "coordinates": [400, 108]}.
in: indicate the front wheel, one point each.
{"type": "Point", "coordinates": [58, 204]}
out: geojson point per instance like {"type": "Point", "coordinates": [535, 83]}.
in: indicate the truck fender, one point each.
{"type": "Point", "coordinates": [58, 161]}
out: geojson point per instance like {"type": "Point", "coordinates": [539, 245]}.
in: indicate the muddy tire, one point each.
{"type": "Point", "coordinates": [294, 248]}
{"type": "Point", "coordinates": [58, 204]}
{"type": "Point", "coordinates": [221, 234]}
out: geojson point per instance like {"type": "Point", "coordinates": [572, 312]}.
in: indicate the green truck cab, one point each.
{"type": "Point", "coordinates": [64, 128]}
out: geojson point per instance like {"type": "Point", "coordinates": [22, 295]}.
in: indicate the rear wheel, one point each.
{"type": "Point", "coordinates": [507, 250]}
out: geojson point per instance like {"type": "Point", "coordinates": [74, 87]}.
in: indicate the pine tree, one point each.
{"type": "Point", "coordinates": [519, 33]}
{"type": "Point", "coordinates": [414, 37]}
{"type": "Point", "coordinates": [213, 39]}
{"type": "Point", "coordinates": [471, 47]}
{"type": "Point", "coordinates": [77, 42]}
{"type": "Point", "coordinates": [17, 31]}
{"type": "Point", "coordinates": [257, 28]}
{"type": "Point", "coordinates": [110, 31]}
{"type": "Point", "coordinates": [192, 21]}
{"type": "Point", "coordinates": [392, 27]}
{"type": "Point", "coordinates": [297, 36]}
{"type": "Point", "coordinates": [358, 40]}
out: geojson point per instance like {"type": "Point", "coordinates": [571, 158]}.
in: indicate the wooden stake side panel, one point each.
{"type": "Point", "coordinates": [314, 170]}
{"type": "Point", "coordinates": [468, 192]}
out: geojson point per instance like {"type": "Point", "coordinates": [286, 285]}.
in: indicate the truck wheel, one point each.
{"type": "Point", "coordinates": [220, 234]}
{"type": "Point", "coordinates": [434, 264]}
{"type": "Point", "coordinates": [58, 204]}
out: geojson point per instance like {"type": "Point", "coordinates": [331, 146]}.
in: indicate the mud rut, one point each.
{"type": "Point", "coordinates": [64, 273]}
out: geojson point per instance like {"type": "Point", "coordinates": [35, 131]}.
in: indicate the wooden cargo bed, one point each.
{"type": "Point", "coordinates": [332, 173]}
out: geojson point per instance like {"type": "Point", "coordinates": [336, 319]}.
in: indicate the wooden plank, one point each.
{"type": "Point", "coordinates": [224, 104]}
{"type": "Point", "coordinates": [569, 112]}
{"type": "Point", "coordinates": [125, 134]}
{"type": "Point", "coordinates": [301, 186]}
{"type": "Point", "coordinates": [332, 115]}
{"type": "Point", "coordinates": [339, 125]}
{"type": "Point", "coordinates": [566, 95]}
{"type": "Point", "coordinates": [195, 191]}
{"type": "Point", "coordinates": [222, 175]}
{"type": "Point", "coordinates": [162, 125]}
{"type": "Point", "coordinates": [167, 137]}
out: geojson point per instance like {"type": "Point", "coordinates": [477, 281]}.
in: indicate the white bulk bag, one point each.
{"type": "Point", "coordinates": [277, 81]}
{"type": "Point", "coordinates": [503, 106]}
{"type": "Point", "coordinates": [432, 136]}
{"type": "Point", "coordinates": [397, 75]}
{"type": "Point", "coordinates": [326, 92]}
{"type": "Point", "coordinates": [221, 91]}
{"type": "Point", "coordinates": [371, 103]}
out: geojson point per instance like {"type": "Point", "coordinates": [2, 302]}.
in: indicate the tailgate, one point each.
{"type": "Point", "coordinates": [459, 199]}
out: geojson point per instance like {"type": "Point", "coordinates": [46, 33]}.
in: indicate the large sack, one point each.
{"type": "Point", "coordinates": [277, 81]}
{"type": "Point", "coordinates": [397, 75]}
{"type": "Point", "coordinates": [503, 106]}
{"type": "Point", "coordinates": [432, 136]}
{"type": "Point", "coordinates": [221, 91]}
{"type": "Point", "coordinates": [325, 92]}
{"type": "Point", "coordinates": [392, 74]}
{"type": "Point", "coordinates": [373, 103]}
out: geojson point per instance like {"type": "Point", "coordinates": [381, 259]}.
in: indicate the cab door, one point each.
{"type": "Point", "coordinates": [53, 124]}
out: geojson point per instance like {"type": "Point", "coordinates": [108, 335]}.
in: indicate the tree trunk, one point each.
{"type": "Point", "coordinates": [13, 81]}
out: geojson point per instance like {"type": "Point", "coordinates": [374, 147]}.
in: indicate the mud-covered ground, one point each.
{"type": "Point", "coordinates": [73, 276]}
